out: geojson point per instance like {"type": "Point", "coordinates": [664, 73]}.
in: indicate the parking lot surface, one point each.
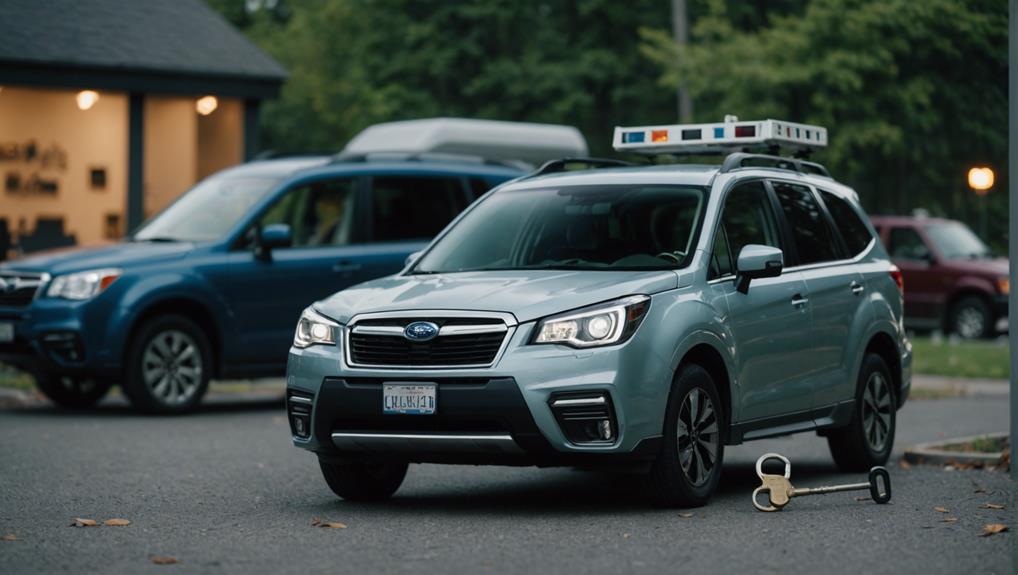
{"type": "Point", "coordinates": [223, 491]}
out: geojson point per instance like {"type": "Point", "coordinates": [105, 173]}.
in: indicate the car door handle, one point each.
{"type": "Point", "coordinates": [858, 288]}
{"type": "Point", "coordinates": [798, 300]}
{"type": "Point", "coordinates": [345, 266]}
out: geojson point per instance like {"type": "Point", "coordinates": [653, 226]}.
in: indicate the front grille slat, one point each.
{"type": "Point", "coordinates": [374, 349]}
{"type": "Point", "coordinates": [18, 289]}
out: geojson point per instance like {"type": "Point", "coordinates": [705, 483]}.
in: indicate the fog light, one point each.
{"type": "Point", "coordinates": [298, 425]}
{"type": "Point", "coordinates": [605, 429]}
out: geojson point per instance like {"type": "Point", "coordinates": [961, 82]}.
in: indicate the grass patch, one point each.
{"type": "Point", "coordinates": [961, 359]}
{"type": "Point", "coordinates": [10, 377]}
{"type": "Point", "coordinates": [981, 445]}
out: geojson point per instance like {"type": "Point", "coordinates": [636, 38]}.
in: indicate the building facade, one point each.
{"type": "Point", "coordinates": [110, 109]}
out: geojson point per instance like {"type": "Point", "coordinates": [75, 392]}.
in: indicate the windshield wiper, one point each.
{"type": "Point", "coordinates": [157, 239]}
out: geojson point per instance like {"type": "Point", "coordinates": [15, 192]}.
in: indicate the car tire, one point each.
{"type": "Point", "coordinates": [869, 438]}
{"type": "Point", "coordinates": [168, 366]}
{"type": "Point", "coordinates": [73, 392]}
{"type": "Point", "coordinates": [686, 473]}
{"type": "Point", "coordinates": [971, 318]}
{"type": "Point", "coordinates": [364, 481]}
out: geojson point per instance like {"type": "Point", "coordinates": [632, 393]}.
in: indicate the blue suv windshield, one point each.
{"type": "Point", "coordinates": [622, 227]}
{"type": "Point", "coordinates": [207, 211]}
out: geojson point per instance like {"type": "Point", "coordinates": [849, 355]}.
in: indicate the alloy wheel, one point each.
{"type": "Point", "coordinates": [970, 323]}
{"type": "Point", "coordinates": [172, 367]}
{"type": "Point", "coordinates": [876, 412]}
{"type": "Point", "coordinates": [698, 436]}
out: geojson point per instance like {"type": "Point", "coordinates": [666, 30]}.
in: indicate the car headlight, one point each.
{"type": "Point", "coordinates": [314, 328]}
{"type": "Point", "coordinates": [602, 324]}
{"type": "Point", "coordinates": [82, 285]}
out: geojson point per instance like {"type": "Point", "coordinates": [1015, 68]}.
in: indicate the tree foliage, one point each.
{"type": "Point", "coordinates": [914, 93]}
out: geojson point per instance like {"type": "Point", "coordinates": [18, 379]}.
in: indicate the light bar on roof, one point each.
{"type": "Point", "coordinates": [718, 137]}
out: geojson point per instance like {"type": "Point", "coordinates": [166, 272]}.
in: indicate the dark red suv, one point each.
{"type": "Point", "coordinates": [952, 279]}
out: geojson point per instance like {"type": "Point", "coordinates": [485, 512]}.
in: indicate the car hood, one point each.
{"type": "Point", "coordinates": [527, 295]}
{"type": "Point", "coordinates": [121, 255]}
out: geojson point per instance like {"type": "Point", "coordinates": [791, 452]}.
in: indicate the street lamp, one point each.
{"type": "Point", "coordinates": [981, 180]}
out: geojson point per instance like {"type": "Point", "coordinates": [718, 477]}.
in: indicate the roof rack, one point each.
{"type": "Point", "coordinates": [427, 157]}
{"type": "Point", "coordinates": [563, 165]}
{"type": "Point", "coordinates": [743, 160]}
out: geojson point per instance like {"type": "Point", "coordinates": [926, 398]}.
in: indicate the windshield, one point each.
{"type": "Point", "coordinates": [207, 211]}
{"type": "Point", "coordinates": [577, 227]}
{"type": "Point", "coordinates": [956, 241]}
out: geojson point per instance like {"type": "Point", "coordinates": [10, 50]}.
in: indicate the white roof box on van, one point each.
{"type": "Point", "coordinates": [489, 139]}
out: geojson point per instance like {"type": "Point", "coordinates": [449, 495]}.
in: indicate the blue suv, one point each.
{"type": "Point", "coordinates": [211, 286]}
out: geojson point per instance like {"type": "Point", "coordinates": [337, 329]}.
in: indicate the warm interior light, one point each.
{"type": "Point", "coordinates": [206, 105]}
{"type": "Point", "coordinates": [980, 178]}
{"type": "Point", "coordinates": [86, 99]}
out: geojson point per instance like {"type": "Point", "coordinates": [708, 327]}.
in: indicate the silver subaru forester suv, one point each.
{"type": "Point", "coordinates": [640, 317]}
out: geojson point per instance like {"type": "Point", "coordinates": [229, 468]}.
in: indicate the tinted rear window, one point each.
{"type": "Point", "coordinates": [857, 237]}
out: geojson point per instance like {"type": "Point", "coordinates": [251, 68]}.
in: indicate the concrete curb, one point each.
{"type": "Point", "coordinates": [934, 452]}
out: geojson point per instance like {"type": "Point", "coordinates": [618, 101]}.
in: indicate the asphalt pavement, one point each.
{"type": "Point", "coordinates": [223, 491]}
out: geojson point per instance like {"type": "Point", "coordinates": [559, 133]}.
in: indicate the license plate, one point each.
{"type": "Point", "coordinates": [408, 398]}
{"type": "Point", "coordinates": [6, 331]}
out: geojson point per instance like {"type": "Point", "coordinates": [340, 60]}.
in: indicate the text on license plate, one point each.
{"type": "Point", "coordinates": [409, 398]}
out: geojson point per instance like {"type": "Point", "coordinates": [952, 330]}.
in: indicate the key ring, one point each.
{"type": "Point", "coordinates": [765, 457]}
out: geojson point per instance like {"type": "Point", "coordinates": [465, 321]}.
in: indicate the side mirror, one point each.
{"type": "Point", "coordinates": [273, 236]}
{"type": "Point", "coordinates": [756, 261]}
{"type": "Point", "coordinates": [410, 259]}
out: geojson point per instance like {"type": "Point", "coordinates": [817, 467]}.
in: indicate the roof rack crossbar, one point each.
{"type": "Point", "coordinates": [738, 160]}
{"type": "Point", "coordinates": [562, 165]}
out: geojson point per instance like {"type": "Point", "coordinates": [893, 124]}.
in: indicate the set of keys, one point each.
{"type": "Point", "coordinates": [780, 490]}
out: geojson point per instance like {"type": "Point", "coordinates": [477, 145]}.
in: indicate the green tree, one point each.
{"type": "Point", "coordinates": [914, 93]}
{"type": "Point", "coordinates": [357, 62]}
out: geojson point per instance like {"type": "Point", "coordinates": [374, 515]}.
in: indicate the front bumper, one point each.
{"type": "Point", "coordinates": [56, 336]}
{"type": "Point", "coordinates": [478, 409]}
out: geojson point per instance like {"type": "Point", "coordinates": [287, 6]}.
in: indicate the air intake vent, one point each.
{"type": "Point", "coordinates": [587, 418]}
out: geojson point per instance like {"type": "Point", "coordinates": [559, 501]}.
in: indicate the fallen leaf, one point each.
{"type": "Point", "coordinates": [939, 509]}
{"type": "Point", "coordinates": [625, 536]}
{"type": "Point", "coordinates": [685, 515]}
{"type": "Point", "coordinates": [164, 560]}
{"type": "Point", "coordinates": [9, 537]}
{"type": "Point", "coordinates": [116, 522]}
{"type": "Point", "coordinates": [79, 522]}
{"type": "Point", "coordinates": [316, 522]}
{"type": "Point", "coordinates": [979, 490]}
{"type": "Point", "coordinates": [904, 464]}
{"type": "Point", "coordinates": [949, 520]}
{"type": "Point", "coordinates": [862, 498]}
{"type": "Point", "coordinates": [991, 506]}
{"type": "Point", "coordinates": [993, 529]}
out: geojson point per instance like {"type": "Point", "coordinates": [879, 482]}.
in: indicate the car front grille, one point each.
{"type": "Point", "coordinates": [462, 342]}
{"type": "Point", "coordinates": [18, 289]}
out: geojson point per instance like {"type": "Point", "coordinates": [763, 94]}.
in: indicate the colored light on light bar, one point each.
{"type": "Point", "coordinates": [659, 136]}
{"type": "Point", "coordinates": [632, 137]}
{"type": "Point", "coordinates": [692, 134]}
{"type": "Point", "coordinates": [745, 131]}
{"type": "Point", "coordinates": [719, 132]}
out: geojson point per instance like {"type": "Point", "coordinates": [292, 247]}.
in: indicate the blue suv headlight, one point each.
{"type": "Point", "coordinates": [314, 328]}
{"type": "Point", "coordinates": [601, 324]}
{"type": "Point", "coordinates": [82, 285]}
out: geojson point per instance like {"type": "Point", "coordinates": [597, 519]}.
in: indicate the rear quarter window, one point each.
{"type": "Point", "coordinates": [851, 226]}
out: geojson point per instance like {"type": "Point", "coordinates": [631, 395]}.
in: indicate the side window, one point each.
{"type": "Point", "coordinates": [414, 208]}
{"type": "Point", "coordinates": [848, 222]}
{"type": "Point", "coordinates": [905, 244]}
{"type": "Point", "coordinates": [319, 214]}
{"type": "Point", "coordinates": [813, 239]}
{"type": "Point", "coordinates": [721, 259]}
{"type": "Point", "coordinates": [747, 219]}
{"type": "Point", "coordinates": [478, 187]}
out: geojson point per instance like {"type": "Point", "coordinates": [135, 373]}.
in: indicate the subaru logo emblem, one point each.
{"type": "Point", "coordinates": [421, 331]}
